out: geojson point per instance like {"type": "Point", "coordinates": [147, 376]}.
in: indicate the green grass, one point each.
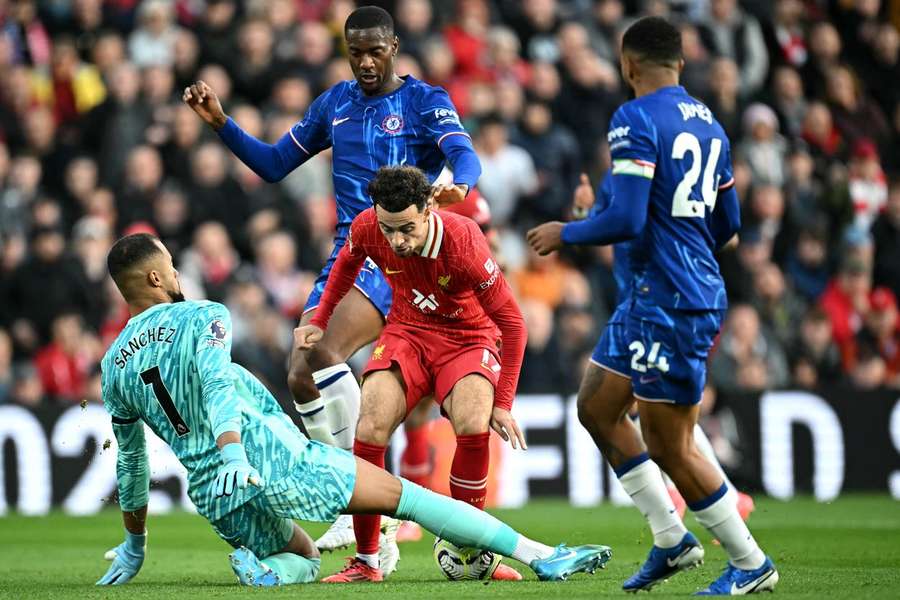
{"type": "Point", "coordinates": [846, 549]}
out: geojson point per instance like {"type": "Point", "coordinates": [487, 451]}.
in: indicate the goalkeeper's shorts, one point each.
{"type": "Point", "coordinates": [317, 488]}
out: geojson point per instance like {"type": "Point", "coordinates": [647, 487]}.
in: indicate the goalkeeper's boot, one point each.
{"type": "Point", "coordinates": [737, 582]}
{"type": "Point", "coordinates": [250, 571]}
{"type": "Point", "coordinates": [339, 535]}
{"type": "Point", "coordinates": [662, 563]}
{"type": "Point", "coordinates": [388, 552]}
{"type": "Point", "coordinates": [567, 560]}
{"type": "Point", "coordinates": [356, 571]}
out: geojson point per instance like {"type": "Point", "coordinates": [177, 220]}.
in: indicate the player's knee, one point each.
{"type": "Point", "coordinates": [471, 423]}
{"type": "Point", "coordinates": [322, 357]}
{"type": "Point", "coordinates": [587, 413]}
{"type": "Point", "coordinates": [300, 382]}
{"type": "Point", "coordinates": [370, 431]}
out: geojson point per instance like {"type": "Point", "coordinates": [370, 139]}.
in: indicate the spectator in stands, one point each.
{"type": "Point", "coordinates": [881, 334]}
{"type": "Point", "coordinates": [846, 301]}
{"type": "Point", "coordinates": [537, 25]}
{"type": "Point", "coordinates": [554, 151]}
{"type": "Point", "coordinates": [153, 42]}
{"type": "Point", "coordinates": [785, 35]}
{"type": "Point", "coordinates": [866, 189]}
{"type": "Point", "coordinates": [185, 58]}
{"type": "Point", "coordinates": [788, 101]}
{"type": "Point", "coordinates": [46, 284]}
{"type": "Point", "coordinates": [869, 371]}
{"type": "Point", "coordinates": [747, 357]}
{"type": "Point", "coordinates": [91, 240]}
{"type": "Point", "coordinates": [763, 147]}
{"type": "Point", "coordinates": [825, 141]}
{"type": "Point", "coordinates": [27, 388]}
{"type": "Point", "coordinates": [216, 196]}
{"type": "Point", "coordinates": [697, 62]}
{"type": "Point", "coordinates": [6, 367]}
{"type": "Point", "coordinates": [276, 261]}
{"type": "Point", "coordinates": [541, 372]}
{"type": "Point", "coordinates": [886, 233]}
{"type": "Point", "coordinates": [20, 191]}
{"type": "Point", "coordinates": [255, 74]}
{"type": "Point", "coordinates": [508, 172]}
{"type": "Point", "coordinates": [815, 359]}
{"type": "Point", "coordinates": [76, 87]}
{"type": "Point", "coordinates": [824, 54]}
{"type": "Point", "coordinates": [30, 43]}
{"type": "Point", "coordinates": [141, 184]}
{"type": "Point", "coordinates": [724, 99]}
{"type": "Point", "coordinates": [210, 262]}
{"type": "Point", "coordinates": [66, 362]}
{"type": "Point", "coordinates": [807, 260]}
{"type": "Point", "coordinates": [778, 307]}
{"type": "Point", "coordinates": [728, 31]}
{"type": "Point", "coordinates": [882, 71]}
{"type": "Point", "coordinates": [414, 25]}
{"type": "Point", "coordinates": [42, 141]}
{"type": "Point", "coordinates": [855, 116]}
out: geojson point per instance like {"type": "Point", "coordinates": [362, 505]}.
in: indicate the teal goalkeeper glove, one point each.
{"type": "Point", "coordinates": [127, 559]}
{"type": "Point", "coordinates": [236, 472]}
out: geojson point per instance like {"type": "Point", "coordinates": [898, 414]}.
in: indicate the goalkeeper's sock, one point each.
{"type": "Point", "coordinates": [365, 527]}
{"type": "Point", "coordinates": [293, 568]}
{"type": "Point", "coordinates": [718, 513]}
{"type": "Point", "coordinates": [464, 525]}
{"type": "Point", "coordinates": [469, 471]}
{"type": "Point", "coordinates": [340, 395]}
{"type": "Point", "coordinates": [643, 481]}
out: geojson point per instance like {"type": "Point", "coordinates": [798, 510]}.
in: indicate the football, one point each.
{"type": "Point", "coordinates": [458, 564]}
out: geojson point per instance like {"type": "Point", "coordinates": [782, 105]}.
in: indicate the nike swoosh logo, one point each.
{"type": "Point", "coordinates": [571, 554]}
{"type": "Point", "coordinates": [648, 379]}
{"type": "Point", "coordinates": [335, 122]}
{"type": "Point", "coordinates": [340, 430]}
{"type": "Point", "coordinates": [750, 585]}
{"type": "Point", "coordinates": [392, 272]}
{"type": "Point", "coordinates": [673, 562]}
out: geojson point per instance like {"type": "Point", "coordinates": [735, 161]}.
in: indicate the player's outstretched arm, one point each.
{"type": "Point", "coordinates": [272, 162]}
{"type": "Point", "coordinates": [346, 267]}
{"type": "Point", "coordinates": [133, 475]}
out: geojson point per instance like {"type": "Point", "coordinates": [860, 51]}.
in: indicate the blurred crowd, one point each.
{"type": "Point", "coordinates": [95, 143]}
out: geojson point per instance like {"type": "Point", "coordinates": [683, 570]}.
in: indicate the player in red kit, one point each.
{"type": "Point", "coordinates": [451, 308]}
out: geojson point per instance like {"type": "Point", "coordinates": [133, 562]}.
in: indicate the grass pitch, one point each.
{"type": "Point", "coordinates": [846, 549]}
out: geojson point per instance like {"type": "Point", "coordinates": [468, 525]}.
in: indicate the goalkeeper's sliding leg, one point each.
{"type": "Point", "coordinates": [376, 491]}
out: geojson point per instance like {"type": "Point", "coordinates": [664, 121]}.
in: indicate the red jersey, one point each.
{"type": "Point", "coordinates": [453, 287]}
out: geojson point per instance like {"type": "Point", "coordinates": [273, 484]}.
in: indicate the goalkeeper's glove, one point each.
{"type": "Point", "coordinates": [236, 471]}
{"type": "Point", "coordinates": [126, 558]}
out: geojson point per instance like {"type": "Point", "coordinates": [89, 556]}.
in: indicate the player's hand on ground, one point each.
{"type": "Point", "coordinates": [583, 199]}
{"type": "Point", "coordinates": [126, 558]}
{"type": "Point", "coordinates": [203, 100]}
{"type": "Point", "coordinates": [546, 238]}
{"type": "Point", "coordinates": [307, 336]}
{"type": "Point", "coordinates": [506, 427]}
{"type": "Point", "coordinates": [446, 194]}
{"type": "Point", "coordinates": [236, 471]}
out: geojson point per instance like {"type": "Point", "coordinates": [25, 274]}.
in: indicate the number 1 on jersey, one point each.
{"type": "Point", "coordinates": [682, 205]}
{"type": "Point", "coordinates": [153, 377]}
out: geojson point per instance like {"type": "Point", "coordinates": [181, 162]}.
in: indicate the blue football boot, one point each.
{"type": "Point", "coordinates": [250, 571]}
{"type": "Point", "coordinates": [662, 563]}
{"type": "Point", "coordinates": [565, 561]}
{"type": "Point", "coordinates": [737, 582]}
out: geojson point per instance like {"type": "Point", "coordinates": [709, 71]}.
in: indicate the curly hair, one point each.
{"type": "Point", "coordinates": [397, 188]}
{"type": "Point", "coordinates": [655, 40]}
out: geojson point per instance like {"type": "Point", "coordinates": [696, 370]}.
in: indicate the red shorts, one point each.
{"type": "Point", "coordinates": [431, 363]}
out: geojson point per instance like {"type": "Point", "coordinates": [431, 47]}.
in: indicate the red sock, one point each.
{"type": "Point", "coordinates": [366, 527]}
{"type": "Point", "coordinates": [469, 472]}
{"type": "Point", "coordinates": [415, 464]}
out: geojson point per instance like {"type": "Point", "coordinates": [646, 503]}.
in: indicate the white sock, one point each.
{"type": "Point", "coordinates": [315, 420]}
{"type": "Point", "coordinates": [705, 447]}
{"type": "Point", "coordinates": [339, 391]}
{"type": "Point", "coordinates": [528, 550]}
{"type": "Point", "coordinates": [370, 559]}
{"type": "Point", "coordinates": [721, 518]}
{"type": "Point", "coordinates": [644, 483]}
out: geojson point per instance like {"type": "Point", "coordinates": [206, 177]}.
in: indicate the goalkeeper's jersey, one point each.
{"type": "Point", "coordinates": [171, 368]}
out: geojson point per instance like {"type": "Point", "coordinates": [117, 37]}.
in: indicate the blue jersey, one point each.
{"type": "Point", "coordinates": [406, 127]}
{"type": "Point", "coordinates": [674, 140]}
{"type": "Point", "coordinates": [621, 252]}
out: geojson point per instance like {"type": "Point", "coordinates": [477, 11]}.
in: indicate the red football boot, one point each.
{"type": "Point", "coordinates": [356, 571]}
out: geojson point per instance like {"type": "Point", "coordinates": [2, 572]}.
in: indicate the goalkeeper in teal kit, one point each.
{"type": "Point", "coordinates": [250, 471]}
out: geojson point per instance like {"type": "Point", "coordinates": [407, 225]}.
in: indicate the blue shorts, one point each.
{"type": "Point", "coordinates": [370, 282]}
{"type": "Point", "coordinates": [669, 349]}
{"type": "Point", "coordinates": [612, 352]}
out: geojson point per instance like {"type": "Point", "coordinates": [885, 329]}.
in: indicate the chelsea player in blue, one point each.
{"type": "Point", "coordinates": [672, 194]}
{"type": "Point", "coordinates": [378, 119]}
{"type": "Point", "coordinates": [250, 471]}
